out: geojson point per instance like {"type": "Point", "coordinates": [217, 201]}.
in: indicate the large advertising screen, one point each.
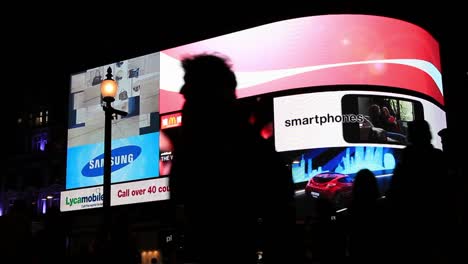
{"type": "Point", "coordinates": [132, 158]}
{"type": "Point", "coordinates": [135, 151]}
{"type": "Point", "coordinates": [349, 118]}
{"type": "Point", "coordinates": [318, 51]}
{"type": "Point", "coordinates": [123, 193]}
{"type": "Point", "coordinates": [314, 86]}
{"type": "Point", "coordinates": [135, 137]}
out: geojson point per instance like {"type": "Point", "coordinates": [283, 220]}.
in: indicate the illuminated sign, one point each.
{"type": "Point", "coordinates": [132, 158]}
{"type": "Point", "coordinates": [172, 120]}
{"type": "Point", "coordinates": [140, 191]}
{"type": "Point", "coordinates": [312, 52]}
{"type": "Point", "coordinates": [120, 157]}
{"type": "Point", "coordinates": [81, 199]}
{"type": "Point", "coordinates": [123, 193]}
{"type": "Point", "coordinates": [321, 114]}
{"type": "Point", "coordinates": [135, 138]}
{"type": "Point", "coordinates": [317, 51]}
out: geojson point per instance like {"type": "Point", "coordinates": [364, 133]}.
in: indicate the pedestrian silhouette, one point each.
{"type": "Point", "coordinates": [123, 247]}
{"type": "Point", "coordinates": [51, 236]}
{"type": "Point", "coordinates": [328, 237]}
{"type": "Point", "coordinates": [16, 233]}
{"type": "Point", "coordinates": [456, 211]}
{"type": "Point", "coordinates": [444, 139]}
{"type": "Point", "coordinates": [418, 201]}
{"type": "Point", "coordinates": [225, 174]}
{"type": "Point", "coordinates": [365, 219]}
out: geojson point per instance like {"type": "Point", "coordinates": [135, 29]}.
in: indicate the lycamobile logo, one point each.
{"type": "Point", "coordinates": [84, 199]}
{"type": "Point", "coordinates": [120, 157]}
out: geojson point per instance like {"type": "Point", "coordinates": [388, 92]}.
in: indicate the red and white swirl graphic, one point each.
{"type": "Point", "coordinates": [317, 51]}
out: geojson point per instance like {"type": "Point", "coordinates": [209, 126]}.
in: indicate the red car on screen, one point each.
{"type": "Point", "coordinates": [334, 186]}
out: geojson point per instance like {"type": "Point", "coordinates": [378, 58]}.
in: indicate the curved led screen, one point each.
{"type": "Point", "coordinates": [317, 51]}
{"type": "Point", "coordinates": [316, 79]}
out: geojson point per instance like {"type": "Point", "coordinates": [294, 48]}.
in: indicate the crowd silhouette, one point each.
{"type": "Point", "coordinates": [230, 217]}
{"type": "Point", "coordinates": [379, 229]}
{"type": "Point", "coordinates": [420, 208]}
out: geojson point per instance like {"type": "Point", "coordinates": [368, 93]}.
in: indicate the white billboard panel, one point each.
{"type": "Point", "coordinates": [87, 198]}
{"type": "Point", "coordinates": [318, 120]}
{"type": "Point", "coordinates": [140, 191]}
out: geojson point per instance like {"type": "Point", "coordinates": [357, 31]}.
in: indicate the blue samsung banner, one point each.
{"type": "Point", "coordinates": [132, 158]}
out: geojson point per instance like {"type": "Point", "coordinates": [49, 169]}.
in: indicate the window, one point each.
{"type": "Point", "coordinates": [39, 118]}
{"type": "Point", "coordinates": [404, 109]}
{"type": "Point", "coordinates": [324, 178]}
{"type": "Point", "coordinates": [345, 180]}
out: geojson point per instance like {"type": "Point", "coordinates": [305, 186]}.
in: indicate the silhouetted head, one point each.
{"type": "Point", "coordinates": [208, 79]}
{"type": "Point", "coordinates": [444, 138]}
{"type": "Point", "coordinates": [365, 188]}
{"type": "Point", "coordinates": [419, 132]}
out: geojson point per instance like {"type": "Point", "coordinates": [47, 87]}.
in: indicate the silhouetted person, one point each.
{"type": "Point", "coordinates": [418, 199]}
{"type": "Point", "coordinates": [52, 236]}
{"type": "Point", "coordinates": [459, 209]}
{"type": "Point", "coordinates": [122, 245]}
{"type": "Point", "coordinates": [16, 235]}
{"type": "Point", "coordinates": [444, 139]}
{"type": "Point", "coordinates": [365, 219]}
{"type": "Point", "coordinates": [328, 240]}
{"type": "Point", "coordinates": [225, 174]}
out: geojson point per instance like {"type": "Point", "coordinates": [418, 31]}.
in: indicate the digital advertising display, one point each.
{"type": "Point", "coordinates": [140, 191]}
{"type": "Point", "coordinates": [121, 194]}
{"type": "Point", "coordinates": [334, 93]}
{"type": "Point", "coordinates": [317, 51]}
{"type": "Point", "coordinates": [385, 118]}
{"type": "Point", "coordinates": [132, 158]}
{"type": "Point", "coordinates": [349, 118]}
{"type": "Point", "coordinates": [135, 137]}
{"type": "Point", "coordinates": [169, 136]}
{"type": "Point", "coordinates": [87, 198]}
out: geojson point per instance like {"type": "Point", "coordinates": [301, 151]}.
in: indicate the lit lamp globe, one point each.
{"type": "Point", "coordinates": [108, 87]}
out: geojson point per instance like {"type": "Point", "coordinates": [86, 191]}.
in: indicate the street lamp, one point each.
{"type": "Point", "coordinates": [108, 92]}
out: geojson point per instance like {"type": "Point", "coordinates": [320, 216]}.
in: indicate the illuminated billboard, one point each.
{"type": "Point", "coordinates": [135, 151]}
{"type": "Point", "coordinates": [87, 198]}
{"type": "Point", "coordinates": [122, 193]}
{"type": "Point", "coordinates": [318, 51]}
{"type": "Point", "coordinates": [344, 118]}
{"type": "Point", "coordinates": [314, 83]}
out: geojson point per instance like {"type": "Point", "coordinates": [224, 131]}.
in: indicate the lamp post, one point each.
{"type": "Point", "coordinates": [108, 92]}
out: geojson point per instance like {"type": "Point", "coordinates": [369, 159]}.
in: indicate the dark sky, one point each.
{"type": "Point", "coordinates": [46, 44]}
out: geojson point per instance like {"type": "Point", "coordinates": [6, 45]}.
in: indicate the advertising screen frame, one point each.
{"type": "Point", "coordinates": [375, 53]}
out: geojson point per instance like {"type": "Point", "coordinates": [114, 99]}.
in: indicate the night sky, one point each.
{"type": "Point", "coordinates": [44, 46]}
